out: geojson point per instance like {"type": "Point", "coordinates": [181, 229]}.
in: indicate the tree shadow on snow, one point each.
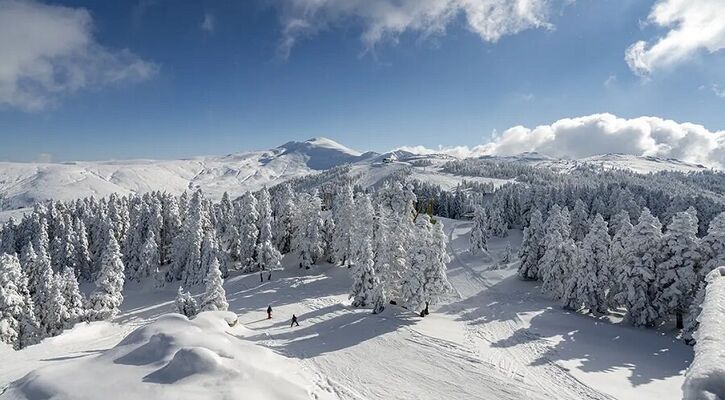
{"type": "Point", "coordinates": [556, 334]}
{"type": "Point", "coordinates": [332, 328]}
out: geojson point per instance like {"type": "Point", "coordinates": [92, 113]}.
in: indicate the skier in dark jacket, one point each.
{"type": "Point", "coordinates": [294, 321]}
{"type": "Point", "coordinates": [269, 312]}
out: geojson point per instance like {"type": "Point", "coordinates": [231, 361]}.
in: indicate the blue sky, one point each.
{"type": "Point", "coordinates": [168, 79]}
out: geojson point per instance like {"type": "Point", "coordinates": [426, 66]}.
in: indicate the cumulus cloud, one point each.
{"type": "Point", "coordinates": [694, 26]}
{"type": "Point", "coordinates": [209, 23]}
{"type": "Point", "coordinates": [47, 51]}
{"type": "Point", "coordinates": [600, 134]}
{"type": "Point", "coordinates": [387, 19]}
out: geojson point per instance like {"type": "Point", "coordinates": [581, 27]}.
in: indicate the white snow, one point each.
{"type": "Point", "coordinates": [175, 358]}
{"type": "Point", "coordinates": [706, 376]}
{"type": "Point", "coordinates": [495, 338]}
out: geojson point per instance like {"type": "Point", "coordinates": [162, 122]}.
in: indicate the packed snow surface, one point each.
{"type": "Point", "coordinates": [706, 376]}
{"type": "Point", "coordinates": [175, 358]}
{"type": "Point", "coordinates": [496, 337]}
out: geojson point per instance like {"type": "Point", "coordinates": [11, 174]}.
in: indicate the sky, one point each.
{"type": "Point", "coordinates": [93, 80]}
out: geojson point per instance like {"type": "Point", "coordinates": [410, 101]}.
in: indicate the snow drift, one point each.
{"type": "Point", "coordinates": [706, 376]}
{"type": "Point", "coordinates": [176, 358]}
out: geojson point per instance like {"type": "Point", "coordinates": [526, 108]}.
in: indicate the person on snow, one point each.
{"type": "Point", "coordinates": [269, 275]}
{"type": "Point", "coordinates": [294, 321]}
{"type": "Point", "coordinates": [269, 312]}
{"type": "Point", "coordinates": [261, 278]}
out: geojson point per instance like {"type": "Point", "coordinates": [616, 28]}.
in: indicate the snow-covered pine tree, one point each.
{"type": "Point", "coordinates": [637, 277]}
{"type": "Point", "coordinates": [18, 324]}
{"type": "Point", "coordinates": [508, 254]}
{"type": "Point", "coordinates": [579, 220]}
{"type": "Point", "coordinates": [588, 284]}
{"type": "Point", "coordinates": [712, 246]}
{"type": "Point", "coordinates": [248, 231]}
{"type": "Point", "coordinates": [396, 204]}
{"type": "Point", "coordinates": [618, 254]}
{"type": "Point", "coordinates": [367, 291]}
{"type": "Point", "coordinates": [425, 281]}
{"type": "Point", "coordinates": [83, 255]}
{"type": "Point", "coordinates": [532, 247]}
{"type": "Point", "coordinates": [479, 231]}
{"type": "Point", "coordinates": [187, 245]}
{"type": "Point", "coordinates": [343, 213]}
{"type": "Point", "coordinates": [557, 263]}
{"type": "Point", "coordinates": [50, 303]}
{"type": "Point", "coordinates": [185, 303]}
{"type": "Point", "coordinates": [105, 299]}
{"type": "Point", "coordinates": [436, 281]}
{"type": "Point", "coordinates": [72, 297]}
{"type": "Point", "coordinates": [268, 257]}
{"type": "Point", "coordinates": [284, 208]}
{"type": "Point", "coordinates": [497, 224]}
{"type": "Point", "coordinates": [676, 273]}
{"type": "Point", "coordinates": [306, 239]}
{"type": "Point", "coordinates": [209, 253]}
{"type": "Point", "coordinates": [215, 298]}
{"type": "Point", "coordinates": [150, 259]}
{"type": "Point", "coordinates": [328, 237]}
{"type": "Point", "coordinates": [171, 227]}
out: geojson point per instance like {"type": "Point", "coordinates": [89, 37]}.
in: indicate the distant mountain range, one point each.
{"type": "Point", "coordinates": [22, 184]}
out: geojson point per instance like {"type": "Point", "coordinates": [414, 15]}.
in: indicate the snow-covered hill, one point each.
{"type": "Point", "coordinates": [23, 184]}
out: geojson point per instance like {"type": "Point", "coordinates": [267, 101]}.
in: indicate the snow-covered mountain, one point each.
{"type": "Point", "coordinates": [22, 184]}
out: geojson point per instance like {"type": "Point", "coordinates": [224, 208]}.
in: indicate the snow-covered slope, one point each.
{"type": "Point", "coordinates": [175, 358]}
{"type": "Point", "coordinates": [497, 337]}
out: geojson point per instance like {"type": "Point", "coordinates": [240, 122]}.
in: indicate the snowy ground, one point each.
{"type": "Point", "coordinates": [497, 337]}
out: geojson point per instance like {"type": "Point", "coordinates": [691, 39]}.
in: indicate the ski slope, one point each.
{"type": "Point", "coordinates": [496, 337]}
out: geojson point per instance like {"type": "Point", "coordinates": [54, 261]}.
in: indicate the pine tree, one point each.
{"type": "Point", "coordinates": [497, 224]}
{"type": "Point", "coordinates": [284, 207]}
{"type": "Point", "coordinates": [105, 300]}
{"type": "Point", "coordinates": [367, 291]}
{"type": "Point", "coordinates": [83, 255]}
{"type": "Point", "coordinates": [248, 231]}
{"type": "Point", "coordinates": [712, 246]}
{"type": "Point", "coordinates": [587, 286]}
{"type": "Point", "coordinates": [637, 277]}
{"type": "Point", "coordinates": [72, 297]}
{"type": "Point", "coordinates": [307, 240]}
{"type": "Point", "coordinates": [343, 213]}
{"type": "Point", "coordinates": [532, 247]}
{"type": "Point", "coordinates": [209, 253]}
{"type": "Point", "coordinates": [676, 274]}
{"type": "Point", "coordinates": [579, 221]}
{"type": "Point", "coordinates": [618, 254]}
{"type": "Point", "coordinates": [559, 256]}
{"type": "Point", "coordinates": [185, 303]}
{"type": "Point", "coordinates": [479, 232]}
{"type": "Point", "coordinates": [187, 245]}
{"type": "Point", "coordinates": [150, 259]}
{"type": "Point", "coordinates": [50, 310]}
{"type": "Point", "coordinates": [18, 324]}
{"type": "Point", "coordinates": [215, 298]}
{"type": "Point", "coordinates": [268, 257]}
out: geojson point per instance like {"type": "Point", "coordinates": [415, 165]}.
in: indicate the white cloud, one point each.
{"type": "Point", "coordinates": [47, 51]}
{"type": "Point", "coordinates": [387, 19]}
{"type": "Point", "coordinates": [610, 81]}
{"type": "Point", "coordinates": [604, 133]}
{"type": "Point", "coordinates": [719, 91]}
{"type": "Point", "coordinates": [694, 26]}
{"type": "Point", "coordinates": [209, 23]}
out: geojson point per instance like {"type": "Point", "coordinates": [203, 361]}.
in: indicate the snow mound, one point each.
{"type": "Point", "coordinates": [705, 379]}
{"type": "Point", "coordinates": [176, 358]}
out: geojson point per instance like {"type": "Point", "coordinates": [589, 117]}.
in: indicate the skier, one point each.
{"type": "Point", "coordinates": [261, 278]}
{"type": "Point", "coordinates": [269, 312]}
{"type": "Point", "coordinates": [294, 321]}
{"type": "Point", "coordinates": [269, 275]}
